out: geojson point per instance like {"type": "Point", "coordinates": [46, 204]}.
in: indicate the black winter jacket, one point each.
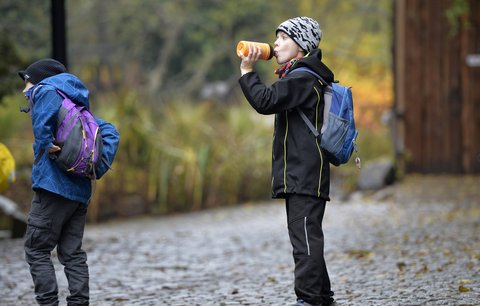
{"type": "Point", "coordinates": [299, 166]}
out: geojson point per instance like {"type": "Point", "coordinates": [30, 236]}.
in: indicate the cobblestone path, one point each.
{"type": "Point", "coordinates": [379, 252]}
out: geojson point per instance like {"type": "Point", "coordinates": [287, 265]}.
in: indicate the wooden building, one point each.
{"type": "Point", "coordinates": [437, 85]}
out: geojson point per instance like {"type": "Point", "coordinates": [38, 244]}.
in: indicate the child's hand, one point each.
{"type": "Point", "coordinates": [249, 61]}
{"type": "Point", "coordinates": [54, 149]}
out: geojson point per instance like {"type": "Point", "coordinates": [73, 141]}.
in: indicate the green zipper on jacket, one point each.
{"type": "Point", "coordinates": [285, 155]}
{"type": "Point", "coordinates": [318, 145]}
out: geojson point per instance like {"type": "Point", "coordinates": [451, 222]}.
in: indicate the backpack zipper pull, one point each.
{"type": "Point", "coordinates": [358, 162]}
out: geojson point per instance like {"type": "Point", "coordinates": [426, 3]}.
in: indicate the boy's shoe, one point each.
{"type": "Point", "coordinates": [301, 302]}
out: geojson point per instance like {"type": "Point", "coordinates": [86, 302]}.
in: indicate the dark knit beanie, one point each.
{"type": "Point", "coordinates": [304, 31]}
{"type": "Point", "coordinates": [42, 69]}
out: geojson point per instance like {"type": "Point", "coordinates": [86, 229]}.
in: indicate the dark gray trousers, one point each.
{"type": "Point", "coordinates": [305, 216]}
{"type": "Point", "coordinates": [55, 221]}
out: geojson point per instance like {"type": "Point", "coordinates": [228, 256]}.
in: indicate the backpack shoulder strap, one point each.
{"type": "Point", "coordinates": [62, 94]}
{"type": "Point", "coordinates": [306, 69]}
{"type": "Point", "coordinates": [42, 151]}
{"type": "Point", "coordinates": [327, 97]}
{"type": "Point", "coordinates": [309, 124]}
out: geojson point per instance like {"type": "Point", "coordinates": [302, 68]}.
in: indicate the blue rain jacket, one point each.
{"type": "Point", "coordinates": [46, 104]}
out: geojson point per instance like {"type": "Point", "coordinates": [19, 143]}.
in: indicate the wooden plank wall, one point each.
{"type": "Point", "coordinates": [470, 76]}
{"type": "Point", "coordinates": [437, 96]}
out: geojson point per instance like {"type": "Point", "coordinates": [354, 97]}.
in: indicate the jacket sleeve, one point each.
{"type": "Point", "coordinates": [285, 94]}
{"type": "Point", "coordinates": [110, 139]}
{"type": "Point", "coordinates": [46, 103]}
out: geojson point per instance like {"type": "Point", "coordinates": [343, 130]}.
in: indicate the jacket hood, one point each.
{"type": "Point", "coordinates": [314, 61]}
{"type": "Point", "coordinates": [71, 86]}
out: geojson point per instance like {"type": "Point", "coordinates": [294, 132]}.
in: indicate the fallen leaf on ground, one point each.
{"type": "Point", "coordinates": [462, 288]}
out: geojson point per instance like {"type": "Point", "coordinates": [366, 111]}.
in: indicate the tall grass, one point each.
{"type": "Point", "coordinates": [184, 156]}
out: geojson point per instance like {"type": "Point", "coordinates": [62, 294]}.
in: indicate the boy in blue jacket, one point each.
{"type": "Point", "coordinates": [59, 206]}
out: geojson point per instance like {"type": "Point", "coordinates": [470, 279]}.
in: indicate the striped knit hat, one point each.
{"type": "Point", "coordinates": [304, 31]}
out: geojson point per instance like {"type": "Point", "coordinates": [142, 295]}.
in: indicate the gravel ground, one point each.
{"type": "Point", "coordinates": [416, 243]}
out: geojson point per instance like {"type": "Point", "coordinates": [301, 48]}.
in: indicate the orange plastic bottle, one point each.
{"type": "Point", "coordinates": [267, 50]}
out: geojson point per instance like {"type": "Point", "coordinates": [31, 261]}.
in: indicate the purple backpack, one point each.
{"type": "Point", "coordinates": [78, 134]}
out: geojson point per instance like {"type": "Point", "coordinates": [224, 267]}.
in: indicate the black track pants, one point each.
{"type": "Point", "coordinates": [304, 216]}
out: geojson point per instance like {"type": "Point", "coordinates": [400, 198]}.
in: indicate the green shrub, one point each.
{"type": "Point", "coordinates": [184, 156]}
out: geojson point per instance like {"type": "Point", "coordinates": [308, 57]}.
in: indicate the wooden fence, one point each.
{"type": "Point", "coordinates": [437, 86]}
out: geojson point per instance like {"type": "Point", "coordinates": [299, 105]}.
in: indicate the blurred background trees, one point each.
{"type": "Point", "coordinates": [165, 72]}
